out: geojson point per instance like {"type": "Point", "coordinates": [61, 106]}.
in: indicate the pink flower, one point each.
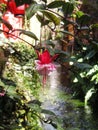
{"type": "Point", "coordinates": [2, 94]}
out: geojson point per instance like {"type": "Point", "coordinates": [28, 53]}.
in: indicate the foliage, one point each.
{"type": "Point", "coordinates": [20, 107]}
{"type": "Point", "coordinates": [82, 61]}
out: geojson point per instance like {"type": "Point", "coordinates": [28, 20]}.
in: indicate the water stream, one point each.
{"type": "Point", "coordinates": [69, 114]}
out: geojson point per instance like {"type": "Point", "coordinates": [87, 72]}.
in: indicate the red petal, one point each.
{"type": "Point", "coordinates": [54, 57]}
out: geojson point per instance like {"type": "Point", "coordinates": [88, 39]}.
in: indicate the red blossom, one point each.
{"type": "Point", "coordinates": [45, 57]}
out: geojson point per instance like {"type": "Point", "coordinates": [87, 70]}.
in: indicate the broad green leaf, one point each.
{"type": "Point", "coordinates": [67, 8]}
{"type": "Point", "coordinates": [33, 9]}
{"type": "Point", "coordinates": [52, 17]}
{"type": "Point", "coordinates": [55, 4]}
{"type": "Point", "coordinates": [28, 33]}
{"type": "Point", "coordinates": [79, 14]}
{"type": "Point", "coordinates": [84, 20]}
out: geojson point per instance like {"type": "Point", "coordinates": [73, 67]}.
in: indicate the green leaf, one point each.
{"type": "Point", "coordinates": [67, 8]}
{"type": "Point", "coordinates": [1, 128]}
{"type": "Point", "coordinates": [94, 26]}
{"type": "Point", "coordinates": [90, 55]}
{"type": "Point", "coordinates": [33, 8]}
{"type": "Point", "coordinates": [42, 20]}
{"type": "Point", "coordinates": [79, 14]}
{"type": "Point", "coordinates": [84, 20]}
{"type": "Point", "coordinates": [52, 17]}
{"type": "Point", "coordinates": [35, 102]}
{"type": "Point", "coordinates": [54, 125]}
{"type": "Point", "coordinates": [28, 33]}
{"type": "Point", "coordinates": [83, 65]}
{"type": "Point", "coordinates": [55, 4]}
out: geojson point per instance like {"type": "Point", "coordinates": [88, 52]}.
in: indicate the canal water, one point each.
{"type": "Point", "coordinates": [69, 114]}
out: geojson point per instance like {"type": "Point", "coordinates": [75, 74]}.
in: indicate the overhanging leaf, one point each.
{"type": "Point", "coordinates": [28, 33]}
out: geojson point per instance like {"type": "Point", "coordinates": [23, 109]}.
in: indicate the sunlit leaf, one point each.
{"type": "Point", "coordinates": [79, 14]}
{"type": "Point", "coordinates": [94, 26]}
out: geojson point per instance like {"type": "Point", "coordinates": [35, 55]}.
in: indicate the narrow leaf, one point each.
{"type": "Point", "coordinates": [83, 65]}
{"type": "Point", "coordinates": [67, 32]}
{"type": "Point", "coordinates": [28, 33]}
{"type": "Point", "coordinates": [90, 55]}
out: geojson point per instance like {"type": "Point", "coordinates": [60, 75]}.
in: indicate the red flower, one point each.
{"type": "Point", "coordinates": [20, 10]}
{"type": "Point", "coordinates": [45, 57]}
{"type": "Point", "coordinates": [44, 64]}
